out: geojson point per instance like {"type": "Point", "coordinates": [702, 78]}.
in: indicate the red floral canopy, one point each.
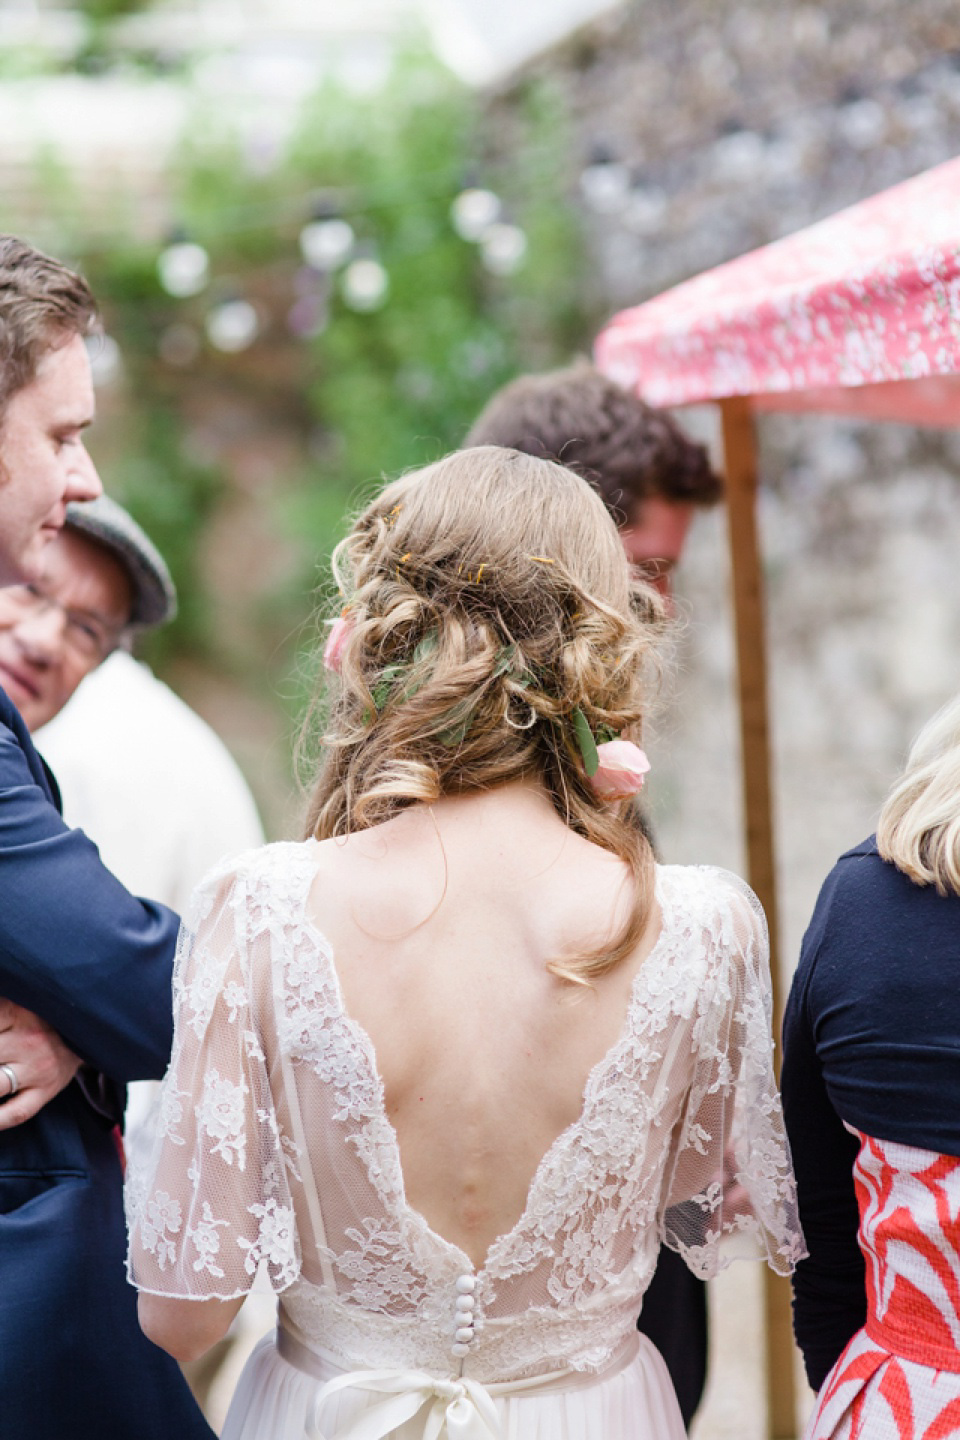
{"type": "Point", "coordinates": [859, 313]}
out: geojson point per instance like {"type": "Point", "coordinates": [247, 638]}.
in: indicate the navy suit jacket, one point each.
{"type": "Point", "coordinates": [80, 951]}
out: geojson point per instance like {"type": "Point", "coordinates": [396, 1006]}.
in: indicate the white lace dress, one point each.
{"type": "Point", "coordinates": [274, 1149]}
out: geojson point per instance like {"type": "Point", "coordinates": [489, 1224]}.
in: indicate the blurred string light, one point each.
{"type": "Point", "coordinates": [327, 243]}
{"type": "Point", "coordinates": [232, 326]}
{"type": "Point", "coordinates": [605, 182]}
{"type": "Point", "coordinates": [476, 217]}
{"type": "Point", "coordinates": [365, 285]}
{"type": "Point", "coordinates": [473, 212]}
{"type": "Point", "coordinates": [329, 247]}
{"type": "Point", "coordinates": [184, 269]}
{"type": "Point", "coordinates": [503, 248]}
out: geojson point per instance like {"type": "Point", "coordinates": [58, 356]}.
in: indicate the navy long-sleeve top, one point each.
{"type": "Point", "coordinates": [871, 1037]}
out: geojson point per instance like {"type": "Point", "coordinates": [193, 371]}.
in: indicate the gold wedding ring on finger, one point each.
{"type": "Point", "coordinates": [11, 1075]}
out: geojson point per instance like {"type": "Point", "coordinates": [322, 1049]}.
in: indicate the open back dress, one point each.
{"type": "Point", "coordinates": [274, 1150]}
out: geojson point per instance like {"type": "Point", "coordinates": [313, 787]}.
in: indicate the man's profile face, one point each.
{"type": "Point", "coordinates": [54, 630]}
{"type": "Point", "coordinates": [43, 462]}
{"type": "Point", "coordinates": [653, 539]}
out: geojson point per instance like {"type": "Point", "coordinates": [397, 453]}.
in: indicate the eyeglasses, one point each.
{"type": "Point", "coordinates": [85, 635]}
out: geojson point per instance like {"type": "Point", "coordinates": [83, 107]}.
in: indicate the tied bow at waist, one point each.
{"type": "Point", "coordinates": [460, 1409]}
{"type": "Point", "coordinates": [453, 1407]}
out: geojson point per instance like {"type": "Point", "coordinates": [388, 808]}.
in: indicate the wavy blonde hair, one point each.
{"type": "Point", "coordinates": [919, 827]}
{"type": "Point", "coordinates": [488, 599]}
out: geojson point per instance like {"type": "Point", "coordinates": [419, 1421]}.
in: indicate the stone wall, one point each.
{"type": "Point", "coordinates": [860, 529]}
{"type": "Point", "coordinates": [719, 127]}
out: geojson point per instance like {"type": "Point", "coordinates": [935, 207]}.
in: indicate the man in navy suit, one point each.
{"type": "Point", "coordinates": [85, 967]}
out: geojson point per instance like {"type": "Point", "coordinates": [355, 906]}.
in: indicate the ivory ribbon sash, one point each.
{"type": "Point", "coordinates": [456, 1407]}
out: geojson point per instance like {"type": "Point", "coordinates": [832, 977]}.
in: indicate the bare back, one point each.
{"type": "Point", "coordinates": [274, 1145]}
{"type": "Point", "coordinates": [441, 927]}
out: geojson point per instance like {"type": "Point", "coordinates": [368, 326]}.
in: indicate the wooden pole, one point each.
{"type": "Point", "coordinates": [740, 451]}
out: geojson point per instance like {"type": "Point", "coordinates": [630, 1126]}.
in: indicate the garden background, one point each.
{"type": "Point", "coordinates": [264, 365]}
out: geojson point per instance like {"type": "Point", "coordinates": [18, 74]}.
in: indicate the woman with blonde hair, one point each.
{"type": "Point", "coordinates": [453, 1067]}
{"type": "Point", "coordinates": [871, 1084]}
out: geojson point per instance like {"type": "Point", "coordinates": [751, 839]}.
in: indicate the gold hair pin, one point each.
{"type": "Point", "coordinates": [542, 559]}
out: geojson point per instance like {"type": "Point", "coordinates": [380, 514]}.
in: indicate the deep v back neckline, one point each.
{"type": "Point", "coordinates": [563, 1139]}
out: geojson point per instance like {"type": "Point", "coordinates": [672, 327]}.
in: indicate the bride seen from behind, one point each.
{"type": "Point", "coordinates": [453, 1068]}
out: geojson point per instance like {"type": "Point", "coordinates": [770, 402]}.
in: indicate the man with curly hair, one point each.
{"type": "Point", "coordinates": [652, 479]}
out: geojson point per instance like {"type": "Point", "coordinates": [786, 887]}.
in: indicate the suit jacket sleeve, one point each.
{"type": "Point", "coordinates": [75, 947]}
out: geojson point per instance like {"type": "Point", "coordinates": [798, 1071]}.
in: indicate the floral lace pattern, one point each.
{"type": "Point", "coordinates": [264, 1048]}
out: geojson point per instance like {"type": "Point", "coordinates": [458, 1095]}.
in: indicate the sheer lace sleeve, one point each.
{"type": "Point", "coordinates": [730, 1190]}
{"type": "Point", "coordinates": [211, 1200]}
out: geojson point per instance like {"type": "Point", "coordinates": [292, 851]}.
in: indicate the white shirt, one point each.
{"type": "Point", "coordinates": [149, 781]}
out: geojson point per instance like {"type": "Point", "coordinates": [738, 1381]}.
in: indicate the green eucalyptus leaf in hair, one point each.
{"type": "Point", "coordinates": [505, 661]}
{"type": "Point", "coordinates": [388, 678]}
{"type": "Point", "coordinates": [508, 663]}
{"type": "Point", "coordinates": [586, 742]}
{"type": "Point", "coordinates": [426, 646]}
{"type": "Point", "coordinates": [424, 650]}
{"type": "Point", "coordinates": [458, 720]}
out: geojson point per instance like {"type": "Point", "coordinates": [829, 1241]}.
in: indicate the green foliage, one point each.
{"type": "Point", "coordinates": [450, 333]}
{"type": "Point", "coordinates": [398, 387]}
{"type": "Point", "coordinates": [370, 394]}
{"type": "Point", "coordinates": [103, 46]}
{"type": "Point", "coordinates": [172, 497]}
{"type": "Point", "coordinates": [24, 62]}
{"type": "Point", "coordinates": [148, 467]}
{"type": "Point", "coordinates": [103, 12]}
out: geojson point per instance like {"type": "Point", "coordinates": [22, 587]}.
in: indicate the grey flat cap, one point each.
{"type": "Point", "coordinates": [106, 522]}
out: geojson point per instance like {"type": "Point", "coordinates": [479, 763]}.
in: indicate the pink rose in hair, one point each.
{"type": "Point", "coordinates": [623, 766]}
{"type": "Point", "coordinates": [333, 650]}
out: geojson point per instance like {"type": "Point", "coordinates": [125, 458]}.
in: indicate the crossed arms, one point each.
{"type": "Point", "coordinates": [75, 949]}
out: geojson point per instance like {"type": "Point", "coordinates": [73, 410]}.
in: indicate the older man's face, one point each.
{"type": "Point", "coordinates": [55, 630]}
{"type": "Point", "coordinates": [43, 462]}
